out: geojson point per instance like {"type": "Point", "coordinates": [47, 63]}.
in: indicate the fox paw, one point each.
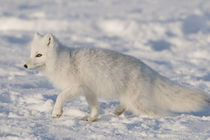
{"type": "Point", "coordinates": [89, 119]}
{"type": "Point", "coordinates": [119, 110]}
{"type": "Point", "coordinates": [57, 114]}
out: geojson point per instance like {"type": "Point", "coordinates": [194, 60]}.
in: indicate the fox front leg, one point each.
{"type": "Point", "coordinates": [92, 102]}
{"type": "Point", "coordinates": [62, 98]}
{"type": "Point", "coordinates": [58, 108]}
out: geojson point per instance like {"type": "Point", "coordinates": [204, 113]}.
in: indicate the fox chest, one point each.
{"type": "Point", "coordinates": [62, 79]}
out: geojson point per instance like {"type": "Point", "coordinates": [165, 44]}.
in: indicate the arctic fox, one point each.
{"type": "Point", "coordinates": [95, 72]}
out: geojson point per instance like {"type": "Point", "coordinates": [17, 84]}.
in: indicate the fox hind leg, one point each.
{"type": "Point", "coordinates": [119, 110]}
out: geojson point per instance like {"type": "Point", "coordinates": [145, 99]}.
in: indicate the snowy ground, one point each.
{"type": "Point", "coordinates": [171, 36]}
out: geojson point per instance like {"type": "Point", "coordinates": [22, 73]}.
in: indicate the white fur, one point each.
{"type": "Point", "coordinates": [94, 72]}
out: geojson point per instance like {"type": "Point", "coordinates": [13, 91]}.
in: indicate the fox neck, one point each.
{"type": "Point", "coordinates": [56, 67]}
{"type": "Point", "coordinates": [53, 58]}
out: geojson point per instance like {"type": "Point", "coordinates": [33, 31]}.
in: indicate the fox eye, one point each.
{"type": "Point", "coordinates": [39, 55]}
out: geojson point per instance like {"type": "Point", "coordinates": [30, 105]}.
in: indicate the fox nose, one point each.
{"type": "Point", "coordinates": [25, 66]}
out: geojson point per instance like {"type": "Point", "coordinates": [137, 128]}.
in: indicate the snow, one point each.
{"type": "Point", "coordinates": [173, 37]}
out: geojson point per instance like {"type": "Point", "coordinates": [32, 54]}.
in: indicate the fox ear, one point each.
{"type": "Point", "coordinates": [37, 35]}
{"type": "Point", "coordinates": [49, 39]}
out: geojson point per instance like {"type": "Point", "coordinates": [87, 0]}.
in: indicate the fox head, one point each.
{"type": "Point", "coordinates": [39, 48]}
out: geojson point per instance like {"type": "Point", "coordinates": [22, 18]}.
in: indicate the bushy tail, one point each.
{"type": "Point", "coordinates": [175, 98]}
{"type": "Point", "coordinates": [162, 97]}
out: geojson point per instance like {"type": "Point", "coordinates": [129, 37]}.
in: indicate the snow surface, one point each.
{"type": "Point", "coordinates": [171, 36]}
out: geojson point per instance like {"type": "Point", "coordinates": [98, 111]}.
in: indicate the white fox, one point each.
{"type": "Point", "coordinates": [95, 72]}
